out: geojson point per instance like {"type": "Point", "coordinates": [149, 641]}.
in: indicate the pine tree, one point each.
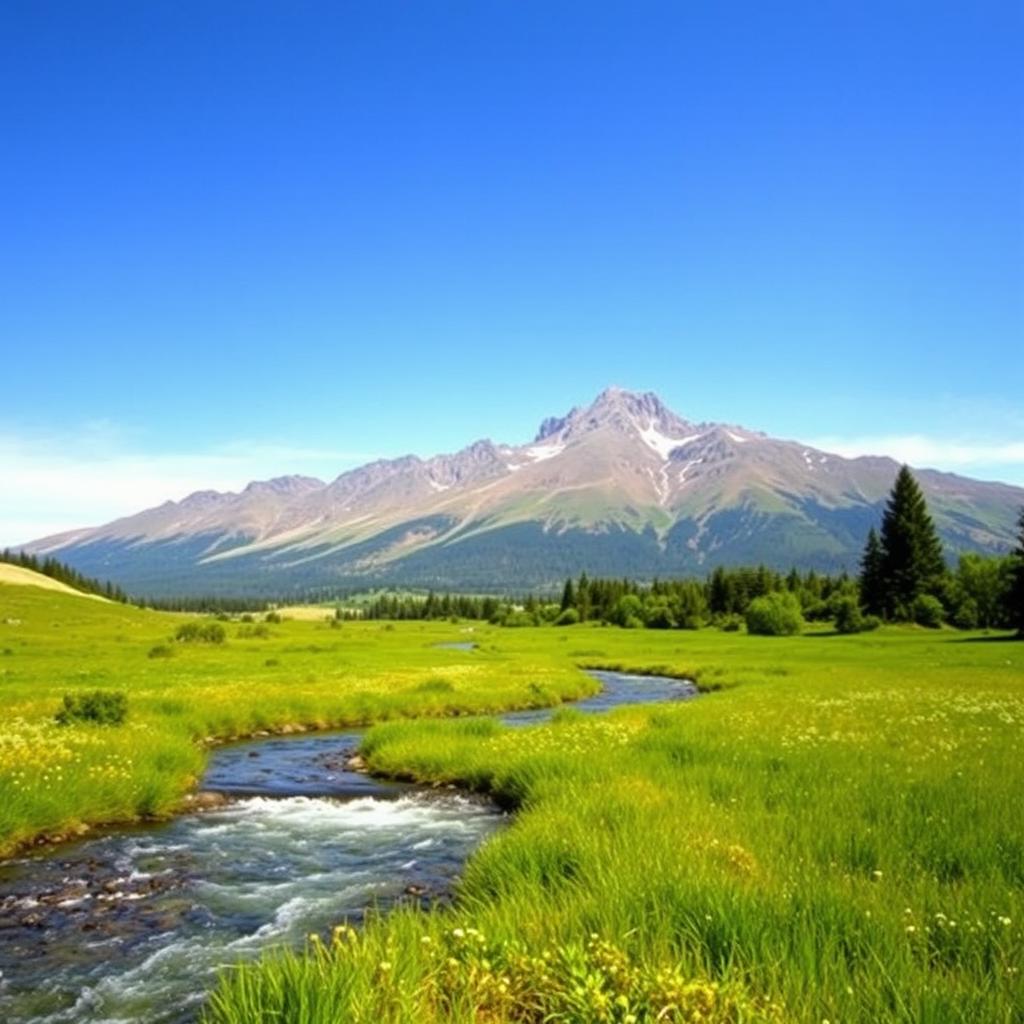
{"type": "Point", "coordinates": [1017, 584]}
{"type": "Point", "coordinates": [583, 602]}
{"type": "Point", "coordinates": [872, 585]}
{"type": "Point", "coordinates": [568, 596]}
{"type": "Point", "coordinates": [911, 552]}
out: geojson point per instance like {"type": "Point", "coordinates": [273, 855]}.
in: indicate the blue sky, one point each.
{"type": "Point", "coordinates": [246, 239]}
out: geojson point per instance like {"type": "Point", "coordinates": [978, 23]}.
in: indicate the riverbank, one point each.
{"type": "Point", "coordinates": [183, 698]}
{"type": "Point", "coordinates": [137, 920]}
{"type": "Point", "coordinates": [835, 839]}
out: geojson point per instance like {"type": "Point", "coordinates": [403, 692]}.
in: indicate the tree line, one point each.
{"type": "Point", "coordinates": [903, 578]}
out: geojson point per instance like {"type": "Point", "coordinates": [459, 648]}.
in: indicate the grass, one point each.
{"type": "Point", "coordinates": [57, 780]}
{"type": "Point", "coordinates": [833, 834]}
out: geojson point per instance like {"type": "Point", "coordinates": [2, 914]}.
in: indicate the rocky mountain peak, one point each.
{"type": "Point", "coordinates": [293, 484]}
{"type": "Point", "coordinates": [638, 414]}
{"type": "Point", "coordinates": [478, 461]}
{"type": "Point", "coordinates": [619, 482]}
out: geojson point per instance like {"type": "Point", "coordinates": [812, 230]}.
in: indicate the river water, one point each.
{"type": "Point", "coordinates": [131, 925]}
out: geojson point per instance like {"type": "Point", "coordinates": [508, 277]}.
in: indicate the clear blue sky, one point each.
{"type": "Point", "coordinates": [316, 231]}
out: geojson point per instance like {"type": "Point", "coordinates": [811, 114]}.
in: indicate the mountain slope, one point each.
{"type": "Point", "coordinates": [623, 486]}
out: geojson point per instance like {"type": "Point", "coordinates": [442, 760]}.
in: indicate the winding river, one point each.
{"type": "Point", "coordinates": [131, 925]}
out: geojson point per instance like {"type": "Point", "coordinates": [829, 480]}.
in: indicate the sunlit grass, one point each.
{"type": "Point", "coordinates": [836, 835]}
{"type": "Point", "coordinates": [303, 675]}
{"type": "Point", "coordinates": [833, 833]}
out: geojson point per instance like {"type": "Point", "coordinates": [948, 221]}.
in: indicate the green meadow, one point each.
{"type": "Point", "coordinates": [831, 832]}
{"type": "Point", "coordinates": [297, 674]}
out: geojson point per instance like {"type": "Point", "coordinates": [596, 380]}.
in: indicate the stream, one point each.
{"type": "Point", "coordinates": [131, 925]}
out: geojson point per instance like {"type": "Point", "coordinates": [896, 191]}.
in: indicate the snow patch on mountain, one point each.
{"type": "Point", "coordinates": [661, 443]}
{"type": "Point", "coordinates": [542, 452]}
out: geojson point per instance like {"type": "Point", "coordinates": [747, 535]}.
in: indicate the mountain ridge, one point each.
{"type": "Point", "coordinates": [623, 485]}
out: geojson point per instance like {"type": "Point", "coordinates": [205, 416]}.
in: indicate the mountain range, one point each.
{"type": "Point", "coordinates": [623, 486]}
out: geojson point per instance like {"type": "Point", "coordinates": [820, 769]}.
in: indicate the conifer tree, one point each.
{"type": "Point", "coordinates": [583, 597]}
{"type": "Point", "coordinates": [568, 596]}
{"type": "Point", "coordinates": [911, 553]}
{"type": "Point", "coordinates": [872, 585]}
{"type": "Point", "coordinates": [1016, 596]}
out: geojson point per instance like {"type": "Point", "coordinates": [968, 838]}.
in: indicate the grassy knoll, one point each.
{"type": "Point", "coordinates": [837, 838]}
{"type": "Point", "coordinates": [56, 779]}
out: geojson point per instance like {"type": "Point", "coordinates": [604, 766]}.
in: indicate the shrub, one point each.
{"type": "Point", "coordinates": [258, 631]}
{"type": "Point", "coordinates": [848, 615]}
{"type": "Point", "coordinates": [731, 623]}
{"type": "Point", "coordinates": [927, 611]}
{"type": "Point", "coordinates": [966, 614]}
{"type": "Point", "coordinates": [628, 612]}
{"type": "Point", "coordinates": [200, 633]}
{"type": "Point", "coordinates": [161, 651]}
{"type": "Point", "coordinates": [102, 707]}
{"type": "Point", "coordinates": [659, 616]}
{"type": "Point", "coordinates": [568, 618]}
{"type": "Point", "coordinates": [776, 614]}
{"type": "Point", "coordinates": [519, 618]}
{"type": "Point", "coordinates": [272, 617]}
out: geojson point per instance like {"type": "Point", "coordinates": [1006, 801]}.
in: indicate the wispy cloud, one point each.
{"type": "Point", "coordinates": [54, 483]}
{"type": "Point", "coordinates": [1006, 458]}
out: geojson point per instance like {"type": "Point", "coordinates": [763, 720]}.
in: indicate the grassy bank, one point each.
{"type": "Point", "coordinates": [55, 780]}
{"type": "Point", "coordinates": [838, 838]}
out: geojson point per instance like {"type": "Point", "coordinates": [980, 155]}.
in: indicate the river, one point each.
{"type": "Point", "coordinates": [132, 924]}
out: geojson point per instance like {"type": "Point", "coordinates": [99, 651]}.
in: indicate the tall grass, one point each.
{"type": "Point", "coordinates": [56, 780]}
{"type": "Point", "coordinates": [834, 834]}
{"type": "Point", "coordinates": [838, 837]}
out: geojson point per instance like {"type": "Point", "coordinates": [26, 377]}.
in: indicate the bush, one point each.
{"type": "Point", "coordinates": [258, 631]}
{"type": "Point", "coordinates": [161, 651]}
{"type": "Point", "coordinates": [659, 616]}
{"type": "Point", "coordinates": [776, 614]}
{"type": "Point", "coordinates": [102, 707]}
{"type": "Point", "coordinates": [516, 619]}
{"type": "Point", "coordinates": [200, 633]}
{"type": "Point", "coordinates": [966, 614]}
{"type": "Point", "coordinates": [927, 611]}
{"type": "Point", "coordinates": [848, 615]}
{"type": "Point", "coordinates": [628, 612]}
{"type": "Point", "coordinates": [568, 618]}
{"type": "Point", "coordinates": [273, 617]}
